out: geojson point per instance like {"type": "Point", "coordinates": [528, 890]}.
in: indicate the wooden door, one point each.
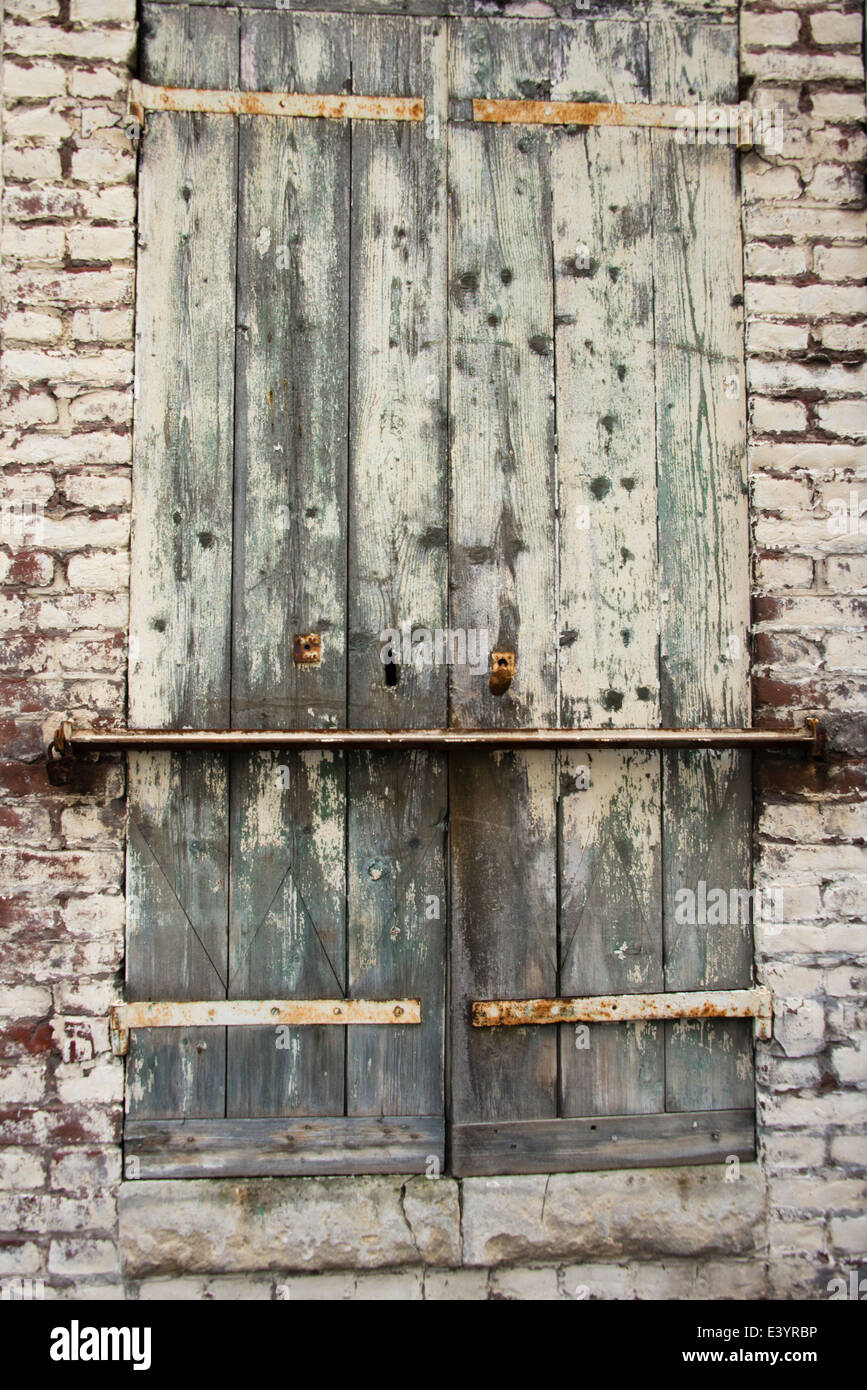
{"type": "Point", "coordinates": [600, 529]}
{"type": "Point", "coordinates": [435, 376]}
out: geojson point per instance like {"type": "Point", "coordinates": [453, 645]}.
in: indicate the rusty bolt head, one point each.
{"type": "Point", "coordinates": [307, 649]}
{"type": "Point", "coordinates": [502, 672]}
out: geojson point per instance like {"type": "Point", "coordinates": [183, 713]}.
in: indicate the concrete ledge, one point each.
{"type": "Point", "coordinates": [612, 1215]}
{"type": "Point", "coordinates": [224, 1226]}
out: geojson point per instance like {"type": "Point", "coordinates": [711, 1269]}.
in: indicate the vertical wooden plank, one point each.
{"type": "Point", "coordinates": [610, 851]}
{"type": "Point", "coordinates": [181, 589]}
{"type": "Point", "coordinates": [503, 822]}
{"type": "Point", "coordinates": [397, 563]}
{"type": "Point", "coordinates": [501, 378]}
{"type": "Point", "coordinates": [180, 607]}
{"type": "Point", "coordinates": [177, 906]}
{"type": "Point", "coordinates": [287, 920]}
{"type": "Point", "coordinates": [293, 332]}
{"type": "Point", "coordinates": [703, 556]}
{"type": "Point", "coordinates": [287, 930]}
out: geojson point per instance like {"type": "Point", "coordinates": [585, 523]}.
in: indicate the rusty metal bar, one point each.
{"type": "Point", "coordinates": [339, 106]}
{"type": "Point", "coordinates": [637, 113]}
{"type": "Point", "coordinates": [629, 1008]}
{"type": "Point", "coordinates": [256, 1013]}
{"type": "Point", "coordinates": [70, 740]}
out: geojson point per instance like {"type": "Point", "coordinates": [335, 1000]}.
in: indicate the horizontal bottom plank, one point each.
{"type": "Point", "coordinates": [609, 1141]}
{"type": "Point", "coordinates": [335, 1146]}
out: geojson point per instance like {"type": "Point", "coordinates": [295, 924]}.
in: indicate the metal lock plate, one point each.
{"type": "Point", "coordinates": [307, 649]}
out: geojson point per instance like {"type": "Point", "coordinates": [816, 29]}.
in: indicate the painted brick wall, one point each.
{"type": "Point", "coordinates": [806, 297]}
{"type": "Point", "coordinates": [67, 290]}
{"type": "Point", "coordinates": [790, 1223]}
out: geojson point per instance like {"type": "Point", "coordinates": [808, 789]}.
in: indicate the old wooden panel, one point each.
{"type": "Point", "coordinates": [703, 556]}
{"type": "Point", "coordinates": [287, 935]}
{"type": "Point", "coordinates": [181, 588]}
{"type": "Point", "coordinates": [293, 335]}
{"type": "Point", "coordinates": [610, 853]}
{"type": "Point", "coordinates": [177, 911]}
{"type": "Point", "coordinates": [622, 1141]}
{"type": "Point", "coordinates": [503, 568]}
{"type": "Point", "coordinates": [181, 563]}
{"type": "Point", "coordinates": [396, 901]}
{"type": "Point", "coordinates": [282, 1148]}
{"type": "Point", "coordinates": [287, 926]}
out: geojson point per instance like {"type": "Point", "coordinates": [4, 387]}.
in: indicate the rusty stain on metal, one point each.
{"type": "Point", "coordinates": [71, 740]}
{"type": "Point", "coordinates": [307, 649]}
{"type": "Point", "coordinates": [596, 113]}
{"type": "Point", "coordinates": [629, 1008]}
{"type": "Point", "coordinates": [502, 672]}
{"type": "Point", "coordinates": [338, 106]}
{"type": "Point", "coordinates": [256, 1013]}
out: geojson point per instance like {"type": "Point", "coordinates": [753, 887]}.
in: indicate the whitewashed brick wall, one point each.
{"type": "Point", "coordinates": [806, 297]}
{"type": "Point", "coordinates": [794, 1221]}
{"type": "Point", "coordinates": [67, 292]}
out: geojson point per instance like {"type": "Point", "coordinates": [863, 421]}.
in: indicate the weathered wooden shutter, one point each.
{"type": "Point", "coordinates": [608, 321]}
{"type": "Point", "coordinates": [445, 374]}
{"type": "Point", "coordinates": [290, 478]}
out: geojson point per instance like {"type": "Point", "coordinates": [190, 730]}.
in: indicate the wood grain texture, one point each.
{"type": "Point", "coordinates": [181, 587]}
{"type": "Point", "coordinates": [180, 607]}
{"type": "Point", "coordinates": [398, 910]}
{"type": "Point", "coordinates": [292, 382]}
{"type": "Point", "coordinates": [177, 914]}
{"type": "Point", "coordinates": [398, 499]}
{"type": "Point", "coordinates": [288, 903]}
{"type": "Point", "coordinates": [287, 934]}
{"type": "Point", "coordinates": [434, 388]}
{"type": "Point", "coordinates": [703, 555]}
{"type": "Point", "coordinates": [624, 1141]}
{"type": "Point", "coordinates": [282, 1148]}
{"type": "Point", "coordinates": [610, 833]}
{"type": "Point", "coordinates": [503, 570]}
{"type": "Point", "coordinates": [501, 381]}
{"type": "Point", "coordinates": [724, 11]}
{"type": "Point", "coordinates": [396, 903]}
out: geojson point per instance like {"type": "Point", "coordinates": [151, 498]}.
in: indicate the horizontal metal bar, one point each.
{"type": "Point", "coordinates": [70, 739]}
{"type": "Point", "coordinates": [629, 1008]}
{"type": "Point", "coordinates": [643, 114]}
{"type": "Point", "coordinates": [340, 106]}
{"type": "Point", "coordinates": [256, 1013]}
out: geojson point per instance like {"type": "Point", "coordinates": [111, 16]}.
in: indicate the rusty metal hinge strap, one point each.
{"type": "Point", "coordinates": [338, 106]}
{"type": "Point", "coordinates": [256, 1013]}
{"type": "Point", "coordinates": [634, 114]}
{"type": "Point", "coordinates": [630, 1008]}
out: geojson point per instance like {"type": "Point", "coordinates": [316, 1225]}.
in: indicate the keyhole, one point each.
{"type": "Point", "coordinates": [392, 673]}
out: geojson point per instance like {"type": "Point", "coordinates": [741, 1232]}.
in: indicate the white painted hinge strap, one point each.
{"type": "Point", "coordinates": [630, 1008]}
{"type": "Point", "coordinates": [338, 106]}
{"type": "Point", "coordinates": [256, 1013]}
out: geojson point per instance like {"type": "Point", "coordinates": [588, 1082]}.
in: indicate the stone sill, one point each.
{"type": "Point", "coordinates": [243, 1226]}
